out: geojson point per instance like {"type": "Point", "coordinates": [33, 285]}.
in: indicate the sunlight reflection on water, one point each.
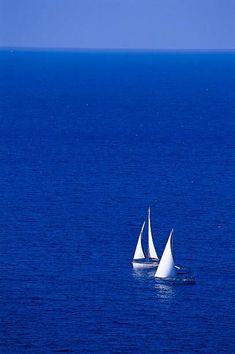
{"type": "Point", "coordinates": [161, 291]}
{"type": "Point", "coordinates": [164, 291]}
{"type": "Point", "coordinates": [142, 274]}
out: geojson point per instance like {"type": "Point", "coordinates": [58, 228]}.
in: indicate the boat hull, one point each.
{"type": "Point", "coordinates": [145, 264]}
{"type": "Point", "coordinates": [176, 280]}
{"type": "Point", "coordinates": [181, 270]}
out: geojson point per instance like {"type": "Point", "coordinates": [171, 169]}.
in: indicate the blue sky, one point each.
{"type": "Point", "coordinates": [126, 24]}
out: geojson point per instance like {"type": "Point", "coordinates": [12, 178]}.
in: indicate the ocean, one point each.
{"type": "Point", "coordinates": [88, 141]}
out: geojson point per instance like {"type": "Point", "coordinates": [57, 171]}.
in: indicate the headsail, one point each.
{"type": "Point", "coordinates": [139, 253]}
{"type": "Point", "coordinates": [166, 268]}
{"type": "Point", "coordinates": [151, 249]}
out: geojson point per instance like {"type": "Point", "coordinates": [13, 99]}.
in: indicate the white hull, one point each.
{"type": "Point", "coordinates": [145, 264]}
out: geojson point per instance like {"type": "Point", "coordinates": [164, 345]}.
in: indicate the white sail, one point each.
{"type": "Point", "coordinates": [139, 253]}
{"type": "Point", "coordinates": [166, 268]}
{"type": "Point", "coordinates": [151, 249]}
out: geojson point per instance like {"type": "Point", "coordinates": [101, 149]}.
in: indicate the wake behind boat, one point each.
{"type": "Point", "coordinates": [142, 260]}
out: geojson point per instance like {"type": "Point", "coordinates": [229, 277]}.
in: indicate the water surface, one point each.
{"type": "Point", "coordinates": [87, 142]}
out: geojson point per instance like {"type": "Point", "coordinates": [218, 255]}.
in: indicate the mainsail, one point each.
{"type": "Point", "coordinates": [151, 249]}
{"type": "Point", "coordinates": [166, 268]}
{"type": "Point", "coordinates": [139, 253]}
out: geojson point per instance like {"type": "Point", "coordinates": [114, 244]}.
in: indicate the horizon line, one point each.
{"type": "Point", "coordinates": [83, 49]}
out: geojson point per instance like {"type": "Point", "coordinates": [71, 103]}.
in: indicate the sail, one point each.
{"type": "Point", "coordinates": [151, 249]}
{"type": "Point", "coordinates": [139, 253]}
{"type": "Point", "coordinates": [166, 268]}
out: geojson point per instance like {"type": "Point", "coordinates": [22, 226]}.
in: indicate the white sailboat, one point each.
{"type": "Point", "coordinates": [167, 271]}
{"type": "Point", "coordinates": [140, 258]}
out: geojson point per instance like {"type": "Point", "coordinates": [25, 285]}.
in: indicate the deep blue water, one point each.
{"type": "Point", "coordinates": [87, 142]}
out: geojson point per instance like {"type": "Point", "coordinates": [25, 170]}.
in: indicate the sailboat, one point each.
{"type": "Point", "coordinates": [167, 271]}
{"type": "Point", "coordinates": [140, 258]}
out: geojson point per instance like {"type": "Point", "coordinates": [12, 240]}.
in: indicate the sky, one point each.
{"type": "Point", "coordinates": [118, 24]}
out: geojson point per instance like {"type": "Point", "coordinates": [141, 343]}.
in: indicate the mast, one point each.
{"type": "Point", "coordinates": [151, 248]}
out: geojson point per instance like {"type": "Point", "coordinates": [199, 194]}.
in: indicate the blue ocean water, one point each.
{"type": "Point", "coordinates": [87, 142]}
